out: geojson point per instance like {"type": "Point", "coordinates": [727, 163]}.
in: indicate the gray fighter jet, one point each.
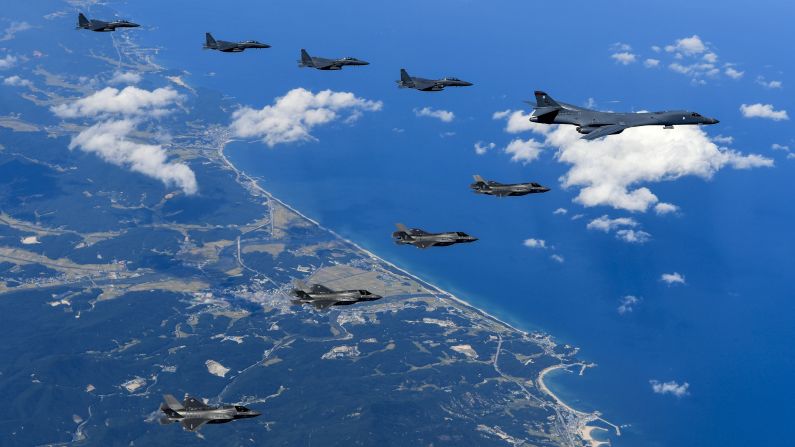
{"type": "Point", "coordinates": [423, 239]}
{"type": "Point", "coordinates": [594, 124]}
{"type": "Point", "coordinates": [231, 47]}
{"type": "Point", "coordinates": [321, 63]}
{"type": "Point", "coordinates": [492, 188]}
{"type": "Point", "coordinates": [322, 297]}
{"type": "Point", "coordinates": [102, 26]}
{"type": "Point", "coordinates": [192, 413]}
{"type": "Point", "coordinates": [428, 85]}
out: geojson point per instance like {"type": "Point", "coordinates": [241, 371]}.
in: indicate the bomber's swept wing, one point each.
{"type": "Point", "coordinates": [191, 403]}
{"type": "Point", "coordinates": [192, 424]}
{"type": "Point", "coordinates": [318, 288]}
{"type": "Point", "coordinates": [604, 131]}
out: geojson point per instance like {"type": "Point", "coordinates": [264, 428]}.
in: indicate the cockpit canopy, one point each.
{"type": "Point", "coordinates": [695, 115]}
{"type": "Point", "coordinates": [450, 78]}
{"type": "Point", "coordinates": [535, 185]}
{"type": "Point", "coordinates": [241, 409]}
{"type": "Point", "coordinates": [461, 234]}
{"type": "Point", "coordinates": [348, 58]}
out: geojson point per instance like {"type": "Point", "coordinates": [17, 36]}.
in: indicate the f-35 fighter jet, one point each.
{"type": "Point", "coordinates": [594, 124]}
{"type": "Point", "coordinates": [428, 85]}
{"type": "Point", "coordinates": [322, 297]}
{"type": "Point", "coordinates": [321, 63]}
{"type": "Point", "coordinates": [102, 26]}
{"type": "Point", "coordinates": [492, 188]}
{"type": "Point", "coordinates": [423, 239]}
{"type": "Point", "coordinates": [231, 47]}
{"type": "Point", "coordinates": [193, 413]}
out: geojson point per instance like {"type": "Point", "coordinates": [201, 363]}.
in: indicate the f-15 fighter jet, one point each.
{"type": "Point", "coordinates": [321, 63]}
{"type": "Point", "coordinates": [492, 188]}
{"type": "Point", "coordinates": [192, 413]}
{"type": "Point", "coordinates": [423, 239]}
{"type": "Point", "coordinates": [428, 85]}
{"type": "Point", "coordinates": [594, 124]}
{"type": "Point", "coordinates": [102, 26]}
{"type": "Point", "coordinates": [231, 47]}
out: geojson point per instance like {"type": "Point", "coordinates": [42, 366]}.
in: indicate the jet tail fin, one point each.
{"type": "Point", "coordinates": [478, 179]}
{"type": "Point", "coordinates": [306, 59]}
{"type": "Point", "coordinates": [171, 403]}
{"type": "Point", "coordinates": [82, 21]}
{"type": "Point", "coordinates": [405, 79]}
{"type": "Point", "coordinates": [543, 100]}
{"type": "Point", "coordinates": [209, 41]}
{"type": "Point", "coordinates": [402, 227]}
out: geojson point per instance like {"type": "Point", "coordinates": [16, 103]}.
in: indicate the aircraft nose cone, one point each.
{"type": "Point", "coordinates": [467, 84]}
{"type": "Point", "coordinates": [714, 121]}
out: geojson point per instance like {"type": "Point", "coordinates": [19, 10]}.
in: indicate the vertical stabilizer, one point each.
{"type": "Point", "coordinates": [209, 41]}
{"type": "Point", "coordinates": [306, 59]}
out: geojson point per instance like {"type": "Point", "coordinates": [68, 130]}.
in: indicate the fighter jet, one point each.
{"type": "Point", "coordinates": [193, 413]}
{"type": "Point", "coordinates": [428, 85]}
{"type": "Point", "coordinates": [101, 26]}
{"type": "Point", "coordinates": [322, 297]}
{"type": "Point", "coordinates": [594, 124]}
{"type": "Point", "coordinates": [231, 47]}
{"type": "Point", "coordinates": [423, 239]}
{"type": "Point", "coordinates": [492, 188]}
{"type": "Point", "coordinates": [321, 63]}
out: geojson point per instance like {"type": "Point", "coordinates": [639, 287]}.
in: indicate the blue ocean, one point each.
{"type": "Point", "coordinates": [727, 332]}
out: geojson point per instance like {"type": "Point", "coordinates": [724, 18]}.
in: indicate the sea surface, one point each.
{"type": "Point", "coordinates": [727, 332]}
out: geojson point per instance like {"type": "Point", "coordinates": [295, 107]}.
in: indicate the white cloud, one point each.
{"type": "Point", "coordinates": [111, 141]}
{"type": "Point", "coordinates": [7, 62]}
{"type": "Point", "coordinates": [577, 216]}
{"type": "Point", "coordinates": [524, 151]}
{"type": "Point", "coordinates": [733, 73]}
{"type": "Point", "coordinates": [442, 115]}
{"type": "Point", "coordinates": [293, 116]}
{"type": "Point", "coordinates": [560, 211]}
{"type": "Point", "coordinates": [769, 84]}
{"type": "Point", "coordinates": [481, 148]}
{"type": "Point", "coordinates": [125, 77]}
{"type": "Point", "coordinates": [779, 147]}
{"type": "Point", "coordinates": [790, 156]}
{"type": "Point", "coordinates": [662, 208]}
{"type": "Point", "coordinates": [535, 243]}
{"type": "Point", "coordinates": [710, 57]}
{"type": "Point", "coordinates": [518, 122]}
{"type": "Point", "coordinates": [557, 258]}
{"type": "Point", "coordinates": [688, 46]}
{"type": "Point", "coordinates": [720, 139]}
{"type": "Point", "coordinates": [672, 278]}
{"type": "Point", "coordinates": [624, 57]}
{"type": "Point", "coordinates": [651, 63]}
{"type": "Point", "coordinates": [763, 111]}
{"type": "Point", "coordinates": [627, 304]}
{"type": "Point", "coordinates": [633, 236]}
{"type": "Point", "coordinates": [16, 81]}
{"type": "Point", "coordinates": [606, 224]}
{"type": "Point", "coordinates": [656, 48]}
{"type": "Point", "coordinates": [671, 387]}
{"type": "Point", "coordinates": [620, 46]}
{"type": "Point", "coordinates": [131, 101]}
{"type": "Point", "coordinates": [13, 29]}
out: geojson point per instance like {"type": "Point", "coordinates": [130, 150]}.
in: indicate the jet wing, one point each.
{"type": "Point", "coordinates": [322, 63]}
{"type": "Point", "coordinates": [322, 305]}
{"type": "Point", "coordinates": [191, 403]}
{"type": "Point", "coordinates": [604, 131]}
{"type": "Point", "coordinates": [192, 424]}
{"type": "Point", "coordinates": [317, 288]}
{"type": "Point", "coordinates": [423, 84]}
{"type": "Point", "coordinates": [224, 46]}
{"type": "Point", "coordinates": [425, 244]}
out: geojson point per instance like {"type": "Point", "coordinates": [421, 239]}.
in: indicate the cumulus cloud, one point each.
{"type": "Point", "coordinates": [535, 243]}
{"type": "Point", "coordinates": [689, 46]}
{"type": "Point", "coordinates": [131, 101]}
{"type": "Point", "coordinates": [111, 141]}
{"type": "Point", "coordinates": [627, 304]}
{"type": "Point", "coordinates": [518, 121]}
{"type": "Point", "coordinates": [524, 151]}
{"type": "Point", "coordinates": [14, 28]}
{"type": "Point", "coordinates": [779, 147]}
{"type": "Point", "coordinates": [125, 77]}
{"type": "Point", "coordinates": [609, 171]}
{"type": "Point", "coordinates": [16, 81]}
{"type": "Point", "coordinates": [672, 278]}
{"type": "Point", "coordinates": [442, 115]}
{"type": "Point", "coordinates": [481, 148]}
{"type": "Point", "coordinates": [293, 116]}
{"type": "Point", "coordinates": [624, 228]}
{"type": "Point", "coordinates": [766, 111]}
{"type": "Point", "coordinates": [7, 62]}
{"type": "Point", "coordinates": [662, 208]}
{"type": "Point", "coordinates": [733, 73]}
{"type": "Point", "coordinates": [624, 57]}
{"type": "Point", "coordinates": [671, 387]}
{"type": "Point", "coordinates": [651, 63]}
{"type": "Point", "coordinates": [720, 139]}
{"type": "Point", "coordinates": [560, 211]}
{"type": "Point", "coordinates": [769, 84]}
{"type": "Point", "coordinates": [557, 258]}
